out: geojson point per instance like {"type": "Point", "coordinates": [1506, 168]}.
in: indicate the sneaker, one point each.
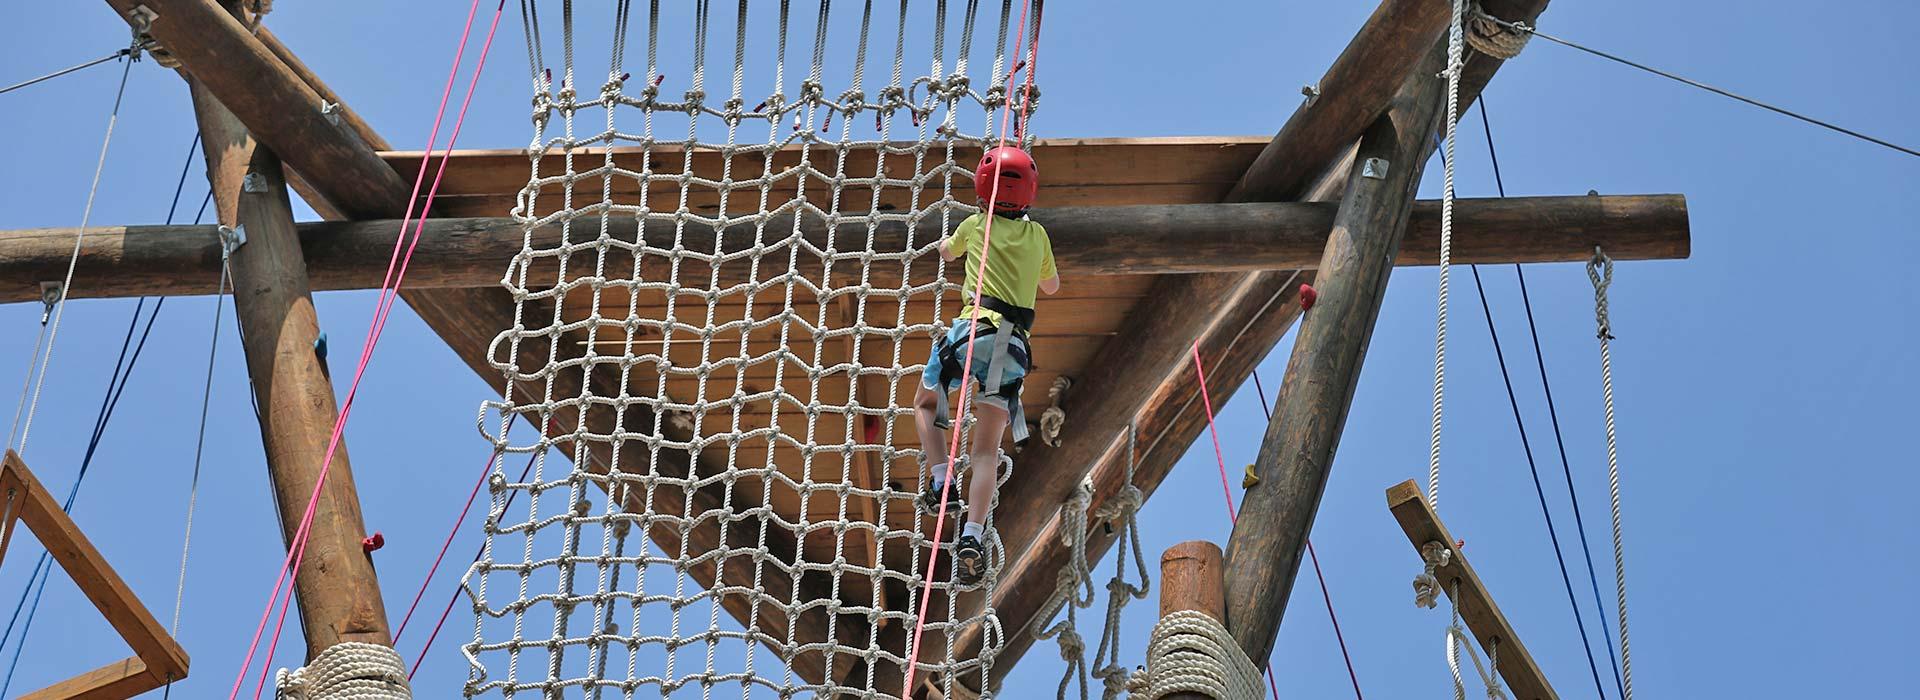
{"type": "Point", "coordinates": [930, 499]}
{"type": "Point", "coordinates": [969, 561]}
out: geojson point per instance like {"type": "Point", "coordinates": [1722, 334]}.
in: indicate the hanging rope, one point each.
{"type": "Point", "coordinates": [1526, 446]}
{"type": "Point", "coordinates": [1121, 513]}
{"type": "Point", "coordinates": [1458, 638]}
{"type": "Point", "coordinates": [1073, 591]}
{"type": "Point", "coordinates": [1600, 272]}
{"type": "Point", "coordinates": [1455, 62]}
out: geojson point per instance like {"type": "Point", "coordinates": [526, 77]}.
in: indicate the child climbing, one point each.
{"type": "Point", "coordinates": [1019, 264]}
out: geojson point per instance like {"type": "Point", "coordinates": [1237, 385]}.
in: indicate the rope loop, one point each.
{"type": "Point", "coordinates": [347, 671]}
{"type": "Point", "coordinates": [1495, 37]}
{"type": "Point", "coordinates": [1426, 587]}
{"type": "Point", "coordinates": [1190, 652]}
{"type": "Point", "coordinates": [1600, 272]}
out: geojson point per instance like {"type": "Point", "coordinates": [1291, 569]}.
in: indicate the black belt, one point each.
{"type": "Point", "coordinates": [1020, 316]}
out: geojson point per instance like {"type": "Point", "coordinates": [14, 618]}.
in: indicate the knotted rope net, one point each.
{"type": "Point", "coordinates": [720, 308]}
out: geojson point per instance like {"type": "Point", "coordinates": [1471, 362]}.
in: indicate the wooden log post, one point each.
{"type": "Point", "coordinates": [1191, 578]}
{"type": "Point", "coordinates": [338, 591]}
{"type": "Point", "coordinates": [1264, 552]}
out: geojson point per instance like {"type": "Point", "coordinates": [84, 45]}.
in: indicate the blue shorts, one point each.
{"type": "Point", "coordinates": [1011, 372]}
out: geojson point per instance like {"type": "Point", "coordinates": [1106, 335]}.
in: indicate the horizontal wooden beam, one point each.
{"type": "Point", "coordinates": [1189, 238]}
{"type": "Point", "coordinates": [1483, 617]}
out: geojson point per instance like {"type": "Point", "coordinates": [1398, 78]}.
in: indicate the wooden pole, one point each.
{"type": "Point", "coordinates": [1190, 579]}
{"type": "Point", "coordinates": [1264, 551]}
{"type": "Point", "coordinates": [338, 591]}
{"type": "Point", "coordinates": [1157, 239]}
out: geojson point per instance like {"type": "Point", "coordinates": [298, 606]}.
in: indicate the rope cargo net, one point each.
{"type": "Point", "coordinates": [709, 324]}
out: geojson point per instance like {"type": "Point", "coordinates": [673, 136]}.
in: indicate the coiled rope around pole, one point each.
{"type": "Point", "coordinates": [347, 671]}
{"type": "Point", "coordinates": [1600, 272]}
{"type": "Point", "coordinates": [1190, 652]}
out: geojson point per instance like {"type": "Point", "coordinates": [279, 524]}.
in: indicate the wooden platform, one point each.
{"type": "Point", "coordinates": [1073, 325]}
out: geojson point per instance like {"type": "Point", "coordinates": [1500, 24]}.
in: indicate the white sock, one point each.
{"type": "Point", "coordinates": [937, 475]}
{"type": "Point", "coordinates": [973, 530]}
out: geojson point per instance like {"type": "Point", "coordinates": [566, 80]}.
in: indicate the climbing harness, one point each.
{"type": "Point", "coordinates": [1006, 347]}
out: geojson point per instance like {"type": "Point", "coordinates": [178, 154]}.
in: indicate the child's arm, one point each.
{"type": "Point", "coordinates": [950, 250]}
{"type": "Point", "coordinates": [1051, 285]}
{"type": "Point", "coordinates": [954, 246]}
{"type": "Point", "coordinates": [1050, 281]}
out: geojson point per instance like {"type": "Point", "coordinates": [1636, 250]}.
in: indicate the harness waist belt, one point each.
{"type": "Point", "coordinates": [1020, 316]}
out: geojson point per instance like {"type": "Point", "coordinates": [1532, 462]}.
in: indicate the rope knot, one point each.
{"type": "Point", "coordinates": [348, 670]}
{"type": "Point", "coordinates": [1600, 272]}
{"type": "Point", "coordinates": [1426, 587]}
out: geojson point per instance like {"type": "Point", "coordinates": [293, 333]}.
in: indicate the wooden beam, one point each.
{"type": "Point", "coordinates": [1524, 679]}
{"type": "Point", "coordinates": [1357, 88]}
{"type": "Point", "coordinates": [1188, 238]}
{"type": "Point", "coordinates": [157, 659]}
{"type": "Point", "coordinates": [1190, 579]}
{"type": "Point", "coordinates": [1168, 424]}
{"type": "Point", "coordinates": [280, 109]}
{"type": "Point", "coordinates": [1264, 551]}
{"type": "Point", "coordinates": [283, 110]}
{"type": "Point", "coordinates": [338, 590]}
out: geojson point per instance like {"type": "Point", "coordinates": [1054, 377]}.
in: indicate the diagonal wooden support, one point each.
{"type": "Point", "coordinates": [1265, 549]}
{"type": "Point", "coordinates": [157, 660]}
{"type": "Point", "coordinates": [1483, 617]}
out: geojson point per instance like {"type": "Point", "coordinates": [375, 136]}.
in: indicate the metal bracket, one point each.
{"type": "Point", "coordinates": [1312, 92]}
{"type": "Point", "coordinates": [231, 238]}
{"type": "Point", "coordinates": [331, 110]}
{"type": "Point", "coordinates": [254, 183]}
{"type": "Point", "coordinates": [1375, 168]}
{"type": "Point", "coordinates": [50, 295]}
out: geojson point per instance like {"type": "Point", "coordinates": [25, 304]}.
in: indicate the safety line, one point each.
{"type": "Point", "coordinates": [1326, 595]}
{"type": "Point", "coordinates": [60, 304]}
{"type": "Point", "coordinates": [435, 634]}
{"type": "Point", "coordinates": [1523, 27]}
{"type": "Point", "coordinates": [1586, 551]}
{"type": "Point", "coordinates": [396, 265]}
{"type": "Point", "coordinates": [1233, 516]}
{"type": "Point", "coordinates": [89, 64]}
{"type": "Point", "coordinates": [487, 468]}
{"type": "Point", "coordinates": [973, 330]}
{"type": "Point", "coordinates": [199, 449]}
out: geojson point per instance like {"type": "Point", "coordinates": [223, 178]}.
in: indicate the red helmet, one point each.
{"type": "Point", "coordinates": [1008, 178]}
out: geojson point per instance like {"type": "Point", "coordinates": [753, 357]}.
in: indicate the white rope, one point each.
{"type": "Point", "coordinates": [756, 367]}
{"type": "Point", "coordinates": [1069, 584]}
{"type": "Point", "coordinates": [1190, 652]}
{"type": "Point", "coordinates": [347, 671]}
{"type": "Point", "coordinates": [1457, 638]}
{"type": "Point", "coordinates": [1455, 50]}
{"type": "Point", "coordinates": [66, 284]}
{"type": "Point", "coordinates": [1054, 418]}
{"type": "Point", "coordinates": [1123, 513]}
{"type": "Point", "coordinates": [1600, 272]}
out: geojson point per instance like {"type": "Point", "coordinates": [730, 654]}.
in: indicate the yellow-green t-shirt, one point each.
{"type": "Point", "coordinates": [1020, 257]}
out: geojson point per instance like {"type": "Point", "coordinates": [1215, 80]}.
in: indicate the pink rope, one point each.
{"type": "Point", "coordinates": [390, 286]}
{"type": "Point", "coordinates": [966, 367]}
{"type": "Point", "coordinates": [455, 597]}
{"type": "Point", "coordinates": [486, 469]}
{"type": "Point", "coordinates": [1218, 456]}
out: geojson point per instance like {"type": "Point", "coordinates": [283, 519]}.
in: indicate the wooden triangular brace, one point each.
{"type": "Point", "coordinates": [157, 659]}
{"type": "Point", "coordinates": [1483, 618]}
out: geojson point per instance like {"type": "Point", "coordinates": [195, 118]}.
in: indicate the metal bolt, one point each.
{"type": "Point", "coordinates": [1375, 168]}
{"type": "Point", "coordinates": [253, 182]}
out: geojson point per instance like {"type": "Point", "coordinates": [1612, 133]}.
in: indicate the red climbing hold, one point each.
{"type": "Point", "coordinates": [373, 542]}
{"type": "Point", "coordinates": [1307, 296]}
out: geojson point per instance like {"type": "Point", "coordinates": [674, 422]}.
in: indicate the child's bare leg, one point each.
{"type": "Point", "coordinates": [984, 461]}
{"type": "Point", "coordinates": [933, 440]}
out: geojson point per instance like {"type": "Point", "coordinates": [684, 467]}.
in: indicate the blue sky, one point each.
{"type": "Point", "coordinates": [1763, 385]}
